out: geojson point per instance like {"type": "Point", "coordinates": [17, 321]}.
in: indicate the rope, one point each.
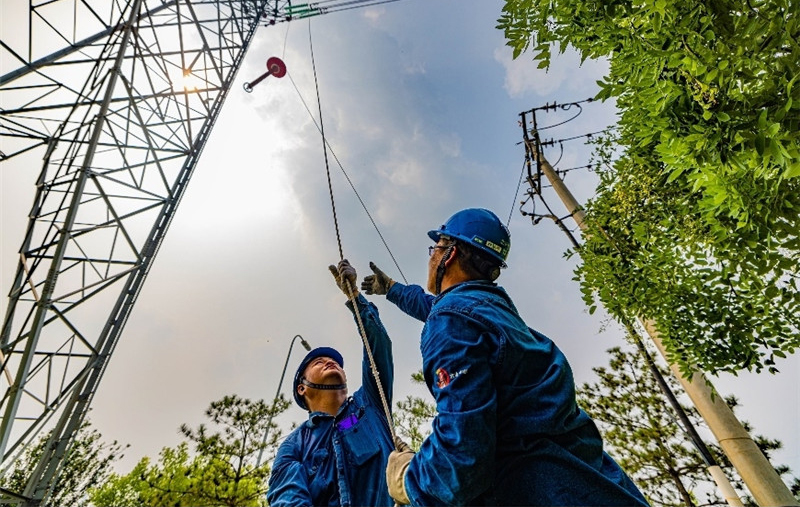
{"type": "Point", "coordinates": [350, 293]}
{"type": "Point", "coordinates": [347, 177]}
{"type": "Point", "coordinates": [352, 185]}
{"type": "Point", "coordinates": [325, 146]}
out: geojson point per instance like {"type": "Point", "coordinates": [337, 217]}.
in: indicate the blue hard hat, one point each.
{"type": "Point", "coordinates": [298, 376]}
{"type": "Point", "coordinates": [480, 228]}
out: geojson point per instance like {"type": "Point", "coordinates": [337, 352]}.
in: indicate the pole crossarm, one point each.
{"type": "Point", "coordinates": [117, 98]}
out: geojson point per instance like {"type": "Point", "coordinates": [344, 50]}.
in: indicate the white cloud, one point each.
{"type": "Point", "coordinates": [374, 14]}
{"type": "Point", "coordinates": [565, 74]}
{"type": "Point", "coordinates": [415, 67]}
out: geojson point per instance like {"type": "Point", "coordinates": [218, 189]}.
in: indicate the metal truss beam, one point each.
{"type": "Point", "coordinates": [119, 97]}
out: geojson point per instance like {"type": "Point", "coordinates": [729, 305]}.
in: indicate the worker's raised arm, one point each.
{"type": "Point", "coordinates": [378, 339]}
{"type": "Point", "coordinates": [381, 347]}
{"type": "Point", "coordinates": [409, 298]}
{"type": "Point", "coordinates": [412, 299]}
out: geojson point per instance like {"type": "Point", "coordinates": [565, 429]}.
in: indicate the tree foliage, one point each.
{"type": "Point", "coordinates": [169, 481]}
{"type": "Point", "coordinates": [87, 464]}
{"type": "Point", "coordinates": [642, 432]}
{"type": "Point", "coordinates": [223, 469]}
{"type": "Point", "coordinates": [694, 221]}
{"type": "Point", "coordinates": [413, 416]}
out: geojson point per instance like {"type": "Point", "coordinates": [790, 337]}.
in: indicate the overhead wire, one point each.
{"type": "Point", "coordinates": [534, 144]}
{"type": "Point", "coordinates": [308, 10]}
{"type": "Point", "coordinates": [516, 193]}
{"type": "Point", "coordinates": [555, 105]}
{"type": "Point", "coordinates": [552, 142]}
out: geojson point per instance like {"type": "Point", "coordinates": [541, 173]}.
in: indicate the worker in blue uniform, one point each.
{"type": "Point", "coordinates": [338, 456]}
{"type": "Point", "coordinates": [508, 430]}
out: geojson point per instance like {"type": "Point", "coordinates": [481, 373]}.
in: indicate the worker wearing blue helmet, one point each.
{"type": "Point", "coordinates": [508, 430]}
{"type": "Point", "coordinates": [338, 456]}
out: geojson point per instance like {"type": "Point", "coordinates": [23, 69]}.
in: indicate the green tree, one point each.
{"type": "Point", "coordinates": [169, 481]}
{"type": "Point", "coordinates": [87, 465]}
{"type": "Point", "coordinates": [222, 471]}
{"type": "Point", "coordinates": [698, 202]}
{"type": "Point", "coordinates": [230, 476]}
{"type": "Point", "coordinates": [413, 417]}
{"type": "Point", "coordinates": [641, 431]}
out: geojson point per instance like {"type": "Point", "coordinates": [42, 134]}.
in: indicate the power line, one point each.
{"type": "Point", "coordinates": [533, 121]}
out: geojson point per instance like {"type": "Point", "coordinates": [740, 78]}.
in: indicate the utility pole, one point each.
{"type": "Point", "coordinates": [758, 474]}
{"type": "Point", "coordinates": [723, 484]}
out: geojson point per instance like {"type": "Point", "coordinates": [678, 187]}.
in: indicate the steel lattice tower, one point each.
{"type": "Point", "coordinates": [119, 98]}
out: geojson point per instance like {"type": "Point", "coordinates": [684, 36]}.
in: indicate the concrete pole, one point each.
{"type": "Point", "coordinates": [755, 470]}
{"type": "Point", "coordinates": [758, 474]}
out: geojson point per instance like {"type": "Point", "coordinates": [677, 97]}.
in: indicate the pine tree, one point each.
{"type": "Point", "coordinates": [87, 465]}
{"type": "Point", "coordinates": [642, 432]}
{"type": "Point", "coordinates": [413, 416]}
{"type": "Point", "coordinates": [221, 471]}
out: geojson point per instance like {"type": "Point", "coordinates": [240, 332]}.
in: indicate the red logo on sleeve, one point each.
{"type": "Point", "coordinates": [444, 378]}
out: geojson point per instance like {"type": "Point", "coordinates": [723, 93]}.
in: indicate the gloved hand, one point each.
{"type": "Point", "coordinates": [379, 283]}
{"type": "Point", "coordinates": [345, 272]}
{"type": "Point", "coordinates": [400, 445]}
{"type": "Point", "coordinates": [396, 469]}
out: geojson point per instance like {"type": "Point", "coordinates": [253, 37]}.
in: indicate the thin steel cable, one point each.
{"type": "Point", "coordinates": [346, 5]}
{"type": "Point", "coordinates": [350, 293]}
{"type": "Point", "coordinates": [516, 194]}
{"type": "Point", "coordinates": [350, 182]}
{"type": "Point", "coordinates": [283, 53]}
{"type": "Point", "coordinates": [338, 162]}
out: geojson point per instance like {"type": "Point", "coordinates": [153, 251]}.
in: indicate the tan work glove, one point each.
{"type": "Point", "coordinates": [396, 470]}
{"type": "Point", "coordinates": [345, 272]}
{"type": "Point", "coordinates": [379, 283]}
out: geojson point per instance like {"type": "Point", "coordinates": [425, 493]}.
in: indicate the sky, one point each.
{"type": "Point", "coordinates": [420, 103]}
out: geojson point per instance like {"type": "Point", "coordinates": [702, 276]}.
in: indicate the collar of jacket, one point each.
{"type": "Point", "coordinates": [316, 418]}
{"type": "Point", "coordinates": [468, 283]}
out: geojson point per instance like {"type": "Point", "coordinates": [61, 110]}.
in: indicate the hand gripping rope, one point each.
{"type": "Point", "coordinates": [350, 292]}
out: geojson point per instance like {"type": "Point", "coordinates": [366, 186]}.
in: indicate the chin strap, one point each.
{"type": "Point", "coordinates": [323, 387]}
{"type": "Point", "coordinates": [440, 269]}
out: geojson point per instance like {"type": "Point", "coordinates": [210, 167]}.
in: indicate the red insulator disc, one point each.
{"type": "Point", "coordinates": [276, 67]}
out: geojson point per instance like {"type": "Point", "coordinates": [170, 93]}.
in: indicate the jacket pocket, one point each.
{"type": "Point", "coordinates": [363, 439]}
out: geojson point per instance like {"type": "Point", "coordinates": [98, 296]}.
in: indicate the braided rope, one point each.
{"type": "Point", "coordinates": [346, 283]}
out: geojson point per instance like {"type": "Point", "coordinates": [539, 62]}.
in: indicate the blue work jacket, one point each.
{"type": "Point", "coordinates": [508, 430]}
{"type": "Point", "coordinates": [341, 460]}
